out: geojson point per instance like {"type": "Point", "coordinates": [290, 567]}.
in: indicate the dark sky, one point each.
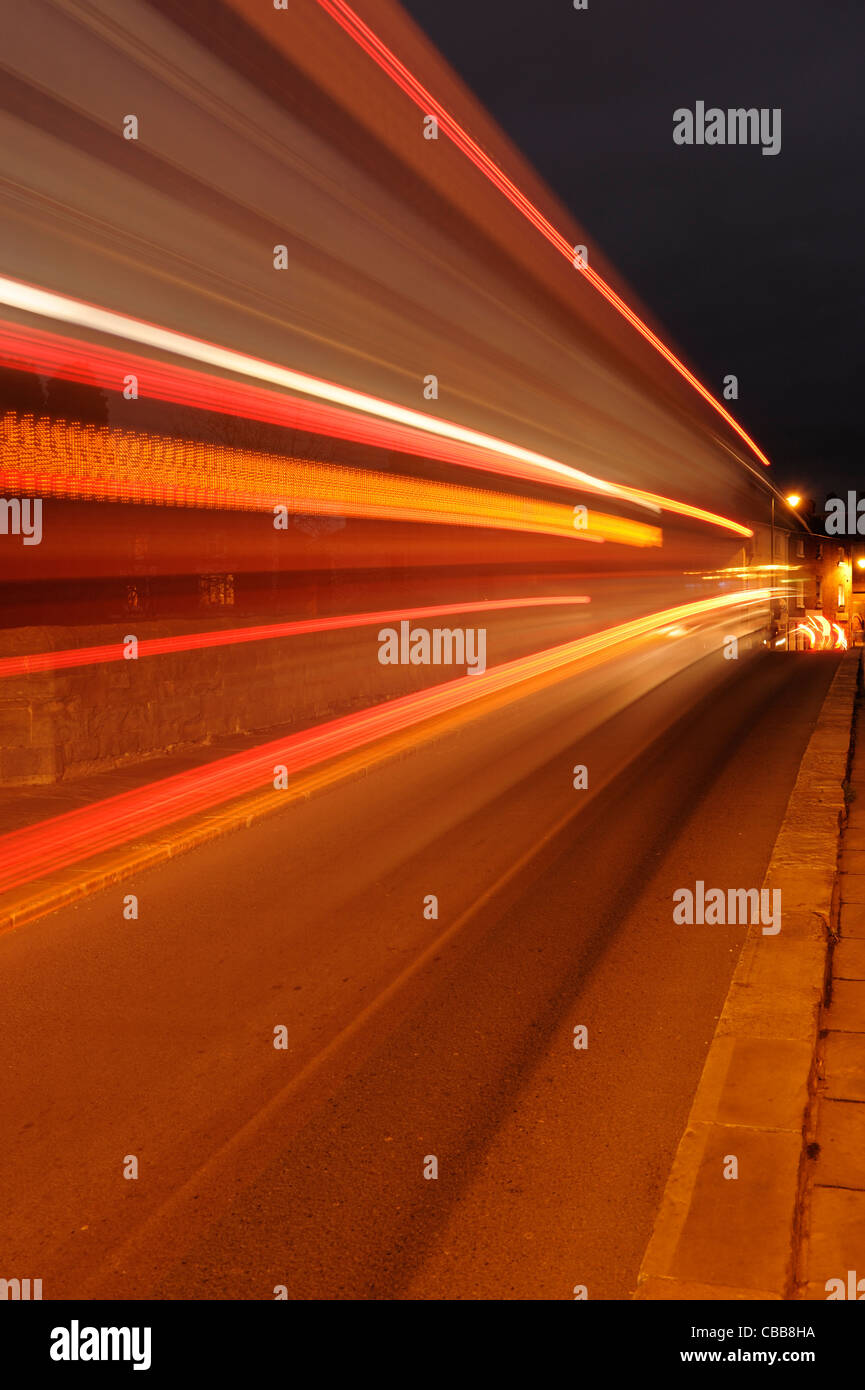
{"type": "Point", "coordinates": [754, 263]}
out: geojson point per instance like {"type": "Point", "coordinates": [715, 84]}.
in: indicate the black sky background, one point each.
{"type": "Point", "coordinates": [754, 263]}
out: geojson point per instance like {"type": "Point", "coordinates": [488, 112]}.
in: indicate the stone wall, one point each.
{"type": "Point", "coordinates": [62, 724]}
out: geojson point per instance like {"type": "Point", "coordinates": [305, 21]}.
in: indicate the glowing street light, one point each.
{"type": "Point", "coordinates": [794, 499]}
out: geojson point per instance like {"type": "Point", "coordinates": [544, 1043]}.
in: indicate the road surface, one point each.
{"type": "Point", "coordinates": [407, 1036]}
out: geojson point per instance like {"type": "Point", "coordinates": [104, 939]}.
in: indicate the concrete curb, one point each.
{"type": "Point", "coordinates": [716, 1238]}
{"type": "Point", "coordinates": [833, 1208]}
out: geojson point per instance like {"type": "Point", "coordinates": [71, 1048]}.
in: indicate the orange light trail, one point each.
{"type": "Point", "coordinates": [225, 637]}
{"type": "Point", "coordinates": [61, 841]}
{"type": "Point", "coordinates": [400, 74]}
{"type": "Point", "coordinates": [823, 635]}
{"type": "Point", "coordinates": [46, 457]}
{"type": "Point", "coordinates": [509, 458]}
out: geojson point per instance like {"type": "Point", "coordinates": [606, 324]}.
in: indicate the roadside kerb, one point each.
{"type": "Point", "coordinates": [724, 1238]}
{"type": "Point", "coordinates": [832, 1253]}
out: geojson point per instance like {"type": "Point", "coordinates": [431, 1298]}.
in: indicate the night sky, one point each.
{"type": "Point", "coordinates": [753, 262]}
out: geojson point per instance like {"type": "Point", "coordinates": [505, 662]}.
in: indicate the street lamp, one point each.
{"type": "Point", "coordinates": [794, 499]}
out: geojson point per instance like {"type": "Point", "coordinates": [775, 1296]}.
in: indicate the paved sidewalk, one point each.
{"type": "Point", "coordinates": [722, 1240]}
{"type": "Point", "coordinates": [833, 1241]}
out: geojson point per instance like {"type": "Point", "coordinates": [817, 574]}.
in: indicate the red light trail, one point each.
{"type": "Point", "coordinates": [32, 349]}
{"type": "Point", "coordinates": [400, 74]}
{"type": "Point", "coordinates": [226, 637]}
{"type": "Point", "coordinates": [61, 841]}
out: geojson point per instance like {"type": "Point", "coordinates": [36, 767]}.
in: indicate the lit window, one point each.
{"type": "Point", "coordinates": [216, 590]}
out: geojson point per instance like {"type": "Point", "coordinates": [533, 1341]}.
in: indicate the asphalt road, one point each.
{"type": "Point", "coordinates": [407, 1037]}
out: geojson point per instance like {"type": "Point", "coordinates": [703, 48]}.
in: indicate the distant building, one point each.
{"type": "Point", "coordinates": [816, 574]}
{"type": "Point", "coordinates": [857, 597]}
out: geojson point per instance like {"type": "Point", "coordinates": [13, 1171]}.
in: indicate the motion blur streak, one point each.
{"type": "Point", "coordinates": [822, 635]}
{"type": "Point", "coordinates": [369, 41]}
{"type": "Point", "coordinates": [195, 641]}
{"type": "Point", "coordinates": [64, 840]}
{"type": "Point", "coordinates": [36, 351]}
{"type": "Point", "coordinates": [32, 299]}
{"type": "Point", "coordinates": [61, 460]}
